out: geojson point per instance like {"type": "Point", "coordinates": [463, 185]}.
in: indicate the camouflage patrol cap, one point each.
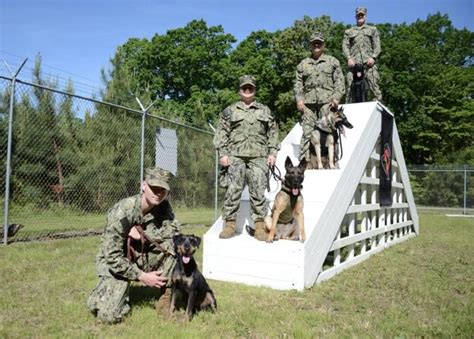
{"type": "Point", "coordinates": [247, 80]}
{"type": "Point", "coordinates": [362, 10]}
{"type": "Point", "coordinates": [316, 36]}
{"type": "Point", "coordinates": [158, 177]}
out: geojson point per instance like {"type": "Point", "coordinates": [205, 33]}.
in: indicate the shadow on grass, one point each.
{"type": "Point", "coordinates": [140, 295]}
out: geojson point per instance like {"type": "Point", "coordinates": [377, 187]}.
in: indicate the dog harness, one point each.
{"type": "Point", "coordinates": [286, 216]}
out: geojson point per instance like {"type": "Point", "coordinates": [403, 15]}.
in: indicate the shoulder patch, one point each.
{"type": "Point", "coordinates": [227, 112]}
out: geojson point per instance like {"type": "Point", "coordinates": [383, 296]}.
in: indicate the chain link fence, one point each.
{"type": "Point", "coordinates": [443, 188]}
{"type": "Point", "coordinates": [72, 158]}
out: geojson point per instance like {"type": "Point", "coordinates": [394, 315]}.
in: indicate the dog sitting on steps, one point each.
{"type": "Point", "coordinates": [286, 220]}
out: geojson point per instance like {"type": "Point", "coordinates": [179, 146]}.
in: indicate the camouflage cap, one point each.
{"type": "Point", "coordinates": [158, 177]}
{"type": "Point", "coordinates": [362, 10]}
{"type": "Point", "coordinates": [247, 80]}
{"type": "Point", "coordinates": [317, 36]}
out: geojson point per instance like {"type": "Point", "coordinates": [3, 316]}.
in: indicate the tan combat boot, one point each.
{"type": "Point", "coordinates": [260, 231]}
{"type": "Point", "coordinates": [162, 305]}
{"type": "Point", "coordinates": [229, 230]}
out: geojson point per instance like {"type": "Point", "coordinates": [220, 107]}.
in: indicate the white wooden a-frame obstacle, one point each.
{"type": "Point", "coordinates": [343, 219]}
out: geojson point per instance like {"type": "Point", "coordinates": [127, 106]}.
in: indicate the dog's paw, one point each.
{"type": "Point", "coordinates": [269, 239]}
{"type": "Point", "coordinates": [170, 316]}
{"type": "Point", "coordinates": [186, 318]}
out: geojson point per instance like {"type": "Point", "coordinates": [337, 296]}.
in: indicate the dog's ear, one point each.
{"type": "Point", "coordinates": [176, 238]}
{"type": "Point", "coordinates": [195, 240]}
{"type": "Point", "coordinates": [302, 164]}
{"type": "Point", "coordinates": [198, 240]}
{"type": "Point", "coordinates": [288, 162]}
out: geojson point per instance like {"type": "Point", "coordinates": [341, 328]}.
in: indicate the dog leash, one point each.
{"type": "Point", "coordinates": [131, 255]}
{"type": "Point", "coordinates": [273, 173]}
{"type": "Point", "coordinates": [340, 143]}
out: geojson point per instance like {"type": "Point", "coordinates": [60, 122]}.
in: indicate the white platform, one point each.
{"type": "Point", "coordinates": [328, 194]}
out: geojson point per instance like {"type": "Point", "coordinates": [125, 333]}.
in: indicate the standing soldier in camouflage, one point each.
{"type": "Point", "coordinates": [247, 143]}
{"type": "Point", "coordinates": [361, 45]}
{"type": "Point", "coordinates": [319, 87]}
{"type": "Point", "coordinates": [151, 263]}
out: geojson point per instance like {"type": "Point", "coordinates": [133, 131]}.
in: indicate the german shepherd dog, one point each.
{"type": "Point", "coordinates": [358, 90]}
{"type": "Point", "coordinates": [287, 220]}
{"type": "Point", "coordinates": [188, 280]}
{"type": "Point", "coordinates": [326, 134]}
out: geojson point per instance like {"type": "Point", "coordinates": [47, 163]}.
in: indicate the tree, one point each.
{"type": "Point", "coordinates": [426, 77]}
{"type": "Point", "coordinates": [428, 86]}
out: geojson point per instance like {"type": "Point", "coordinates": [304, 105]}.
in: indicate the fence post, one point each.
{"type": "Point", "coordinates": [142, 150]}
{"type": "Point", "coordinates": [216, 178]}
{"type": "Point", "coordinates": [465, 189]}
{"type": "Point", "coordinates": [9, 152]}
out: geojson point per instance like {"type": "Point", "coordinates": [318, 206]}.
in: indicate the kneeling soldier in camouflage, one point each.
{"type": "Point", "coordinates": [136, 246]}
{"type": "Point", "coordinates": [247, 142]}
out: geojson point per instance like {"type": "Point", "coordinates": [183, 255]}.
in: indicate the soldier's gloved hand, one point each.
{"type": "Point", "coordinates": [153, 279]}
{"type": "Point", "coordinates": [370, 62]}
{"type": "Point", "coordinates": [334, 103]}
{"type": "Point", "coordinates": [224, 161]}
{"type": "Point", "coordinates": [300, 105]}
{"type": "Point", "coordinates": [350, 62]}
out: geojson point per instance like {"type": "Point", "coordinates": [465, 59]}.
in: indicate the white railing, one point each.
{"type": "Point", "coordinates": [368, 228]}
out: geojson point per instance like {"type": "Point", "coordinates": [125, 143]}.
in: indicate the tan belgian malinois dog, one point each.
{"type": "Point", "coordinates": [287, 220]}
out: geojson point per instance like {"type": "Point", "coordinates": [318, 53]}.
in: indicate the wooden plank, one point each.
{"type": "Point", "coordinates": [366, 235]}
{"type": "Point", "coordinates": [331, 272]}
{"type": "Point", "coordinates": [376, 181]}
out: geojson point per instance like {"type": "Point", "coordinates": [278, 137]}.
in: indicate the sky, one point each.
{"type": "Point", "coordinates": [76, 39]}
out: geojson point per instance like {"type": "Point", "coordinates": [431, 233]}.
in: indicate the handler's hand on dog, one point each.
{"type": "Point", "coordinates": [370, 62]}
{"type": "Point", "coordinates": [153, 279]}
{"type": "Point", "coordinates": [224, 161]}
{"type": "Point", "coordinates": [350, 62]}
{"type": "Point", "coordinates": [334, 103]}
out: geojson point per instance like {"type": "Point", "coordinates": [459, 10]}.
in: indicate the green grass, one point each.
{"type": "Point", "coordinates": [423, 287]}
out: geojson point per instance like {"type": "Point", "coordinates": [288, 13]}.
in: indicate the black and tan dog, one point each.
{"type": "Point", "coordinates": [188, 280]}
{"type": "Point", "coordinates": [325, 135]}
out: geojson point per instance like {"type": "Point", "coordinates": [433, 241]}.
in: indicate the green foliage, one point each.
{"type": "Point", "coordinates": [41, 153]}
{"type": "Point", "coordinates": [426, 76]}
{"type": "Point", "coordinates": [428, 85]}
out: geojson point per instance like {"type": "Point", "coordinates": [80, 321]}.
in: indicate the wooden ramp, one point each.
{"type": "Point", "coordinates": [343, 220]}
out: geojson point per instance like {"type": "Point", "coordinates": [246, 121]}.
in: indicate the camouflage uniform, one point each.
{"type": "Point", "coordinates": [110, 300]}
{"type": "Point", "coordinates": [360, 44]}
{"type": "Point", "coordinates": [317, 83]}
{"type": "Point", "coordinates": [248, 135]}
